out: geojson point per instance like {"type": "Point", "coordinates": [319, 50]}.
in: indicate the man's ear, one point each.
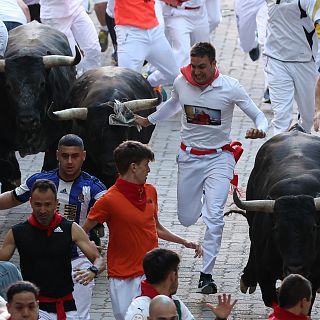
{"type": "Point", "coordinates": [304, 302]}
{"type": "Point", "coordinates": [172, 276]}
{"type": "Point", "coordinates": [133, 166]}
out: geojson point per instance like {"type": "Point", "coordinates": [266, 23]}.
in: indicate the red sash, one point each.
{"type": "Point", "coordinates": [61, 314]}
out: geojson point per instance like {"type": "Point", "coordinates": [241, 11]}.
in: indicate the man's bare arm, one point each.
{"type": "Point", "coordinates": [8, 200]}
{"type": "Point", "coordinates": [90, 250]}
{"type": "Point", "coordinates": [8, 247]}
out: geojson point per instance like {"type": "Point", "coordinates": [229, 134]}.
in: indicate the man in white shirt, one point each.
{"type": "Point", "coordinates": [291, 48]}
{"type": "Point", "coordinates": [186, 23]}
{"type": "Point", "coordinates": [14, 13]}
{"type": "Point", "coordinates": [206, 159]}
{"type": "Point", "coordinates": [70, 17]}
{"type": "Point", "coordinates": [161, 268]}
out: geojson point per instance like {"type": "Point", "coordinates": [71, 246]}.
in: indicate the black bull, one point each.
{"type": "Point", "coordinates": [37, 69]}
{"type": "Point", "coordinates": [91, 103]}
{"type": "Point", "coordinates": [284, 224]}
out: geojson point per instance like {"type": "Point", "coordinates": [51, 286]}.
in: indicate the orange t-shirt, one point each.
{"type": "Point", "coordinates": [132, 232]}
{"type": "Point", "coordinates": [137, 13]}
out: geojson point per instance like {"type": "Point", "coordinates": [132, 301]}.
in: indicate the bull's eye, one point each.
{"type": "Point", "coordinates": [42, 84]}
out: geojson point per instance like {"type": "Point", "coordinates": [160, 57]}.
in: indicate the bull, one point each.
{"type": "Point", "coordinates": [92, 101]}
{"type": "Point", "coordinates": [37, 68]}
{"type": "Point", "coordinates": [282, 209]}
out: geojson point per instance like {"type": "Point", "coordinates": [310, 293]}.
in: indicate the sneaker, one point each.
{"type": "Point", "coordinates": [103, 40]}
{"type": "Point", "coordinates": [255, 53]}
{"type": "Point", "coordinates": [266, 96]}
{"type": "Point", "coordinates": [206, 284]}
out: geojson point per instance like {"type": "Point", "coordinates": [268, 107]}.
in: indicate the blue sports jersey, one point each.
{"type": "Point", "coordinates": [75, 197]}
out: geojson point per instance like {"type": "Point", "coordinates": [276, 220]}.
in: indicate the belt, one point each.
{"type": "Point", "coordinates": [61, 315]}
{"type": "Point", "coordinates": [235, 147]}
{"type": "Point", "coordinates": [185, 8]}
{"type": "Point", "coordinates": [198, 152]}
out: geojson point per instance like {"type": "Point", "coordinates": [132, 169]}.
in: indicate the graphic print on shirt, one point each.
{"type": "Point", "coordinates": [68, 210]}
{"type": "Point", "coordinates": [202, 115]}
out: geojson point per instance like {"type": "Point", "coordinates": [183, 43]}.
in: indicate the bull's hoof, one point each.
{"type": "Point", "coordinates": [244, 288]}
{"type": "Point", "coordinates": [252, 289]}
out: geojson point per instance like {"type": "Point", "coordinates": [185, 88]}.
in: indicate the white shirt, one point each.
{"type": "Point", "coordinates": [287, 27]}
{"type": "Point", "coordinates": [312, 7]}
{"type": "Point", "coordinates": [139, 309]}
{"type": "Point", "coordinates": [207, 114]}
{"type": "Point", "coordinates": [11, 11]}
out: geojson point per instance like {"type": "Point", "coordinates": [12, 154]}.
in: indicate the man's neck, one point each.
{"type": "Point", "coordinates": [296, 310]}
{"type": "Point", "coordinates": [129, 178]}
{"type": "Point", "coordinates": [68, 178]}
{"type": "Point", "coordinates": [162, 289]}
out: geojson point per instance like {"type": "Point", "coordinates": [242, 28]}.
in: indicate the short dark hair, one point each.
{"type": "Point", "coordinates": [294, 288]}
{"type": "Point", "coordinates": [157, 264]}
{"type": "Point", "coordinates": [44, 185]}
{"type": "Point", "coordinates": [131, 152]}
{"type": "Point", "coordinates": [71, 140]}
{"type": "Point", "coordinates": [202, 49]}
{"type": "Point", "coordinates": [22, 286]}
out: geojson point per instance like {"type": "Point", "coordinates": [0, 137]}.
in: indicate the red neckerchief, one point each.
{"type": "Point", "coordinates": [56, 220]}
{"type": "Point", "coordinates": [135, 193]}
{"type": "Point", "coordinates": [186, 72]}
{"type": "Point", "coordinates": [282, 314]}
{"type": "Point", "coordinates": [148, 290]}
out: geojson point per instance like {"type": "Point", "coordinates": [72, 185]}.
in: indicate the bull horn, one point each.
{"type": "Point", "coordinates": [67, 114]}
{"type": "Point", "coordinates": [142, 104]}
{"type": "Point", "coordinates": [317, 203]}
{"type": "Point", "coordinates": [59, 60]}
{"type": "Point", "coordinates": [253, 205]}
{"type": "Point", "coordinates": [2, 64]}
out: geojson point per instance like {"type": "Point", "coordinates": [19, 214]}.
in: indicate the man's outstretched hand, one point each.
{"type": "Point", "coordinates": [253, 133]}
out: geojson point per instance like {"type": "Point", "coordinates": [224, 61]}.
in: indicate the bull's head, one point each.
{"type": "Point", "coordinates": [30, 85]}
{"type": "Point", "coordinates": [99, 136]}
{"type": "Point", "coordinates": [295, 228]}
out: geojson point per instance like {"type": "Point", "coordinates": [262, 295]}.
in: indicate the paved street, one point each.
{"type": "Point", "coordinates": [165, 141]}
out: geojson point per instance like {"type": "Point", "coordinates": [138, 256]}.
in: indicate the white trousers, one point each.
{"type": "Point", "coordinates": [210, 174]}
{"type": "Point", "coordinates": [262, 20]}
{"type": "Point", "coordinates": [44, 315]}
{"type": "Point", "coordinates": [246, 12]}
{"type": "Point", "coordinates": [185, 28]}
{"type": "Point", "coordinates": [136, 45]}
{"type": "Point", "coordinates": [122, 291]}
{"type": "Point", "coordinates": [82, 294]}
{"type": "Point", "coordinates": [290, 81]}
{"type": "Point", "coordinates": [80, 30]}
{"type": "Point", "coordinates": [214, 13]}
